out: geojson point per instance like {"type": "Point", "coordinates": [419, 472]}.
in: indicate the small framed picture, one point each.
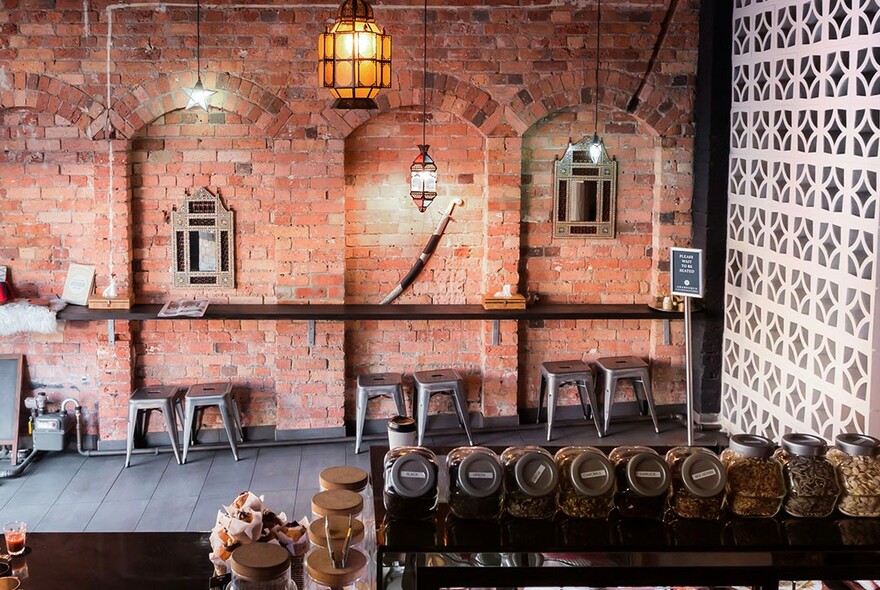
{"type": "Point", "coordinates": [79, 284]}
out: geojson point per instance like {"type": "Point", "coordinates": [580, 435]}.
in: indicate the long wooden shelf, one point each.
{"type": "Point", "coordinates": [342, 312]}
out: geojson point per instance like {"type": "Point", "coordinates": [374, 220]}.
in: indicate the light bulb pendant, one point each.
{"type": "Point", "coordinates": [198, 96]}
{"type": "Point", "coordinates": [423, 179]}
{"type": "Point", "coordinates": [597, 149]}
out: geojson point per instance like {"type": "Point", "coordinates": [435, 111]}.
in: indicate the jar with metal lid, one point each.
{"type": "Point", "coordinates": [476, 489]}
{"type": "Point", "coordinates": [698, 480]}
{"type": "Point", "coordinates": [261, 566]}
{"type": "Point", "coordinates": [755, 487]}
{"type": "Point", "coordinates": [530, 479]}
{"type": "Point", "coordinates": [810, 479]}
{"type": "Point", "coordinates": [322, 575]}
{"type": "Point", "coordinates": [586, 482]}
{"type": "Point", "coordinates": [337, 503]}
{"type": "Point", "coordinates": [855, 457]}
{"type": "Point", "coordinates": [410, 490]}
{"type": "Point", "coordinates": [642, 481]}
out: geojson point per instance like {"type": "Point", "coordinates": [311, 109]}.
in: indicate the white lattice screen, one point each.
{"type": "Point", "coordinates": [802, 254]}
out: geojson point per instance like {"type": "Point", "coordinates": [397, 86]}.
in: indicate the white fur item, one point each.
{"type": "Point", "coordinates": [22, 316]}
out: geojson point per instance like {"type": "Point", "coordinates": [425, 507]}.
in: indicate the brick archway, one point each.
{"type": "Point", "coordinates": [50, 95]}
{"type": "Point", "coordinates": [444, 92]}
{"type": "Point", "coordinates": [154, 98]}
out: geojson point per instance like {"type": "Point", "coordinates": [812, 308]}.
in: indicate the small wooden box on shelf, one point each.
{"type": "Point", "coordinates": [118, 302]}
{"type": "Point", "coordinates": [515, 301]}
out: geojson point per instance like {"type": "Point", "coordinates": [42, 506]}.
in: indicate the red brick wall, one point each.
{"type": "Point", "coordinates": [320, 196]}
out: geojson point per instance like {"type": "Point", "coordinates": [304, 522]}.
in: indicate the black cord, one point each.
{"type": "Point", "coordinates": [596, 90]}
{"type": "Point", "coordinates": [198, 40]}
{"type": "Point", "coordinates": [425, 73]}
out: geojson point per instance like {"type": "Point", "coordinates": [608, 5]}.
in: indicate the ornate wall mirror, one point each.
{"type": "Point", "coordinates": [584, 194]}
{"type": "Point", "coordinates": [203, 238]}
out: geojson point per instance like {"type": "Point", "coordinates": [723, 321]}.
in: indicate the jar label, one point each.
{"type": "Point", "coordinates": [414, 474]}
{"type": "Point", "coordinates": [593, 474]}
{"type": "Point", "coordinates": [704, 474]}
{"type": "Point", "coordinates": [481, 475]}
{"type": "Point", "coordinates": [649, 474]}
{"type": "Point", "coordinates": [538, 473]}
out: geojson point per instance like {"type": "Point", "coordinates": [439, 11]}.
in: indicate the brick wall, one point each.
{"type": "Point", "coordinates": [320, 196]}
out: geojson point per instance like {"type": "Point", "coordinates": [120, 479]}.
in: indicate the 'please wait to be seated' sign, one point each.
{"type": "Point", "coordinates": [686, 265]}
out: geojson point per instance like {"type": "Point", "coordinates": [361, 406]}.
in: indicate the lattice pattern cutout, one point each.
{"type": "Point", "coordinates": [801, 276]}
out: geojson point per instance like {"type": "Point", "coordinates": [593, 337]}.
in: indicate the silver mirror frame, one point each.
{"type": "Point", "coordinates": [203, 212]}
{"type": "Point", "coordinates": [569, 173]}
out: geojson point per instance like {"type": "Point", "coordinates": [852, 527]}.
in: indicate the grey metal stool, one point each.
{"type": "Point", "coordinates": [615, 368]}
{"type": "Point", "coordinates": [446, 381]}
{"type": "Point", "coordinates": [202, 395]}
{"type": "Point", "coordinates": [375, 385]}
{"type": "Point", "coordinates": [558, 373]}
{"type": "Point", "coordinates": [166, 399]}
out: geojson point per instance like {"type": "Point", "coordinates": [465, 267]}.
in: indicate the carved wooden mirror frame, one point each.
{"type": "Point", "coordinates": [584, 194]}
{"type": "Point", "coordinates": [203, 238]}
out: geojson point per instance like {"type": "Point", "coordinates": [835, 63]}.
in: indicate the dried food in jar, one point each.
{"type": "Point", "coordinates": [698, 481]}
{"type": "Point", "coordinates": [410, 490]}
{"type": "Point", "coordinates": [642, 481]}
{"type": "Point", "coordinates": [476, 488]}
{"type": "Point", "coordinates": [755, 486]}
{"type": "Point", "coordinates": [586, 482]}
{"type": "Point", "coordinates": [811, 479]}
{"type": "Point", "coordinates": [855, 458]}
{"type": "Point", "coordinates": [530, 479]}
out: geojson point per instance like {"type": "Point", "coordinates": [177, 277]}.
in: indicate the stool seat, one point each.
{"type": "Point", "coordinates": [372, 385]}
{"type": "Point", "coordinates": [614, 369]}
{"type": "Point", "coordinates": [202, 395]}
{"type": "Point", "coordinates": [446, 381]}
{"type": "Point", "coordinates": [554, 375]}
{"type": "Point", "coordinates": [166, 399]}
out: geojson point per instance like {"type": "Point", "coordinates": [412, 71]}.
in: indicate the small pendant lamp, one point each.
{"type": "Point", "coordinates": [354, 57]}
{"type": "Point", "coordinates": [596, 148]}
{"type": "Point", "coordinates": [423, 172]}
{"type": "Point", "coordinates": [198, 96]}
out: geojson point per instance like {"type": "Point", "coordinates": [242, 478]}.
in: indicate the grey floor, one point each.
{"type": "Point", "coordinates": [67, 492]}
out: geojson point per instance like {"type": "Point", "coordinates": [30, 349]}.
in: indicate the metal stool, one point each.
{"type": "Point", "coordinates": [201, 395]}
{"type": "Point", "coordinates": [556, 374]}
{"type": "Point", "coordinates": [446, 381]}
{"type": "Point", "coordinates": [375, 385]}
{"type": "Point", "coordinates": [627, 367]}
{"type": "Point", "coordinates": [166, 399]}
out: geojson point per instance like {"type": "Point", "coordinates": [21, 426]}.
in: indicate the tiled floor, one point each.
{"type": "Point", "coordinates": [68, 492]}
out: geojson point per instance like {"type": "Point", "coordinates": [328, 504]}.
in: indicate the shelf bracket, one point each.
{"type": "Point", "coordinates": [496, 328]}
{"type": "Point", "coordinates": [311, 335]}
{"type": "Point", "coordinates": [111, 331]}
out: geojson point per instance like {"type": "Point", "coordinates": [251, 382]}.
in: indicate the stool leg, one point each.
{"type": "Point", "coordinates": [422, 398]}
{"type": "Point", "coordinates": [236, 418]}
{"type": "Point", "coordinates": [399, 402]}
{"type": "Point", "coordinates": [585, 388]}
{"type": "Point", "coordinates": [228, 426]}
{"type": "Point", "coordinates": [132, 427]}
{"type": "Point", "coordinates": [461, 408]}
{"type": "Point", "coordinates": [171, 426]}
{"type": "Point", "coordinates": [585, 406]}
{"type": "Point", "coordinates": [552, 395]}
{"type": "Point", "coordinates": [187, 429]}
{"type": "Point", "coordinates": [610, 389]}
{"type": "Point", "coordinates": [645, 382]}
{"type": "Point", "coordinates": [360, 411]}
{"type": "Point", "coordinates": [541, 388]}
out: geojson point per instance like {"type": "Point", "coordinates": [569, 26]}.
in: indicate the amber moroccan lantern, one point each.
{"type": "Point", "coordinates": [354, 57]}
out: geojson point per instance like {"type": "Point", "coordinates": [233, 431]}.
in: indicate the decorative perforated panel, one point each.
{"type": "Point", "coordinates": [803, 224]}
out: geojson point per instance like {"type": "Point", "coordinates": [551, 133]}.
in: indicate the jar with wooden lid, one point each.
{"type": "Point", "coordinates": [642, 481]}
{"type": "Point", "coordinates": [530, 480]}
{"type": "Point", "coordinates": [755, 486]}
{"type": "Point", "coordinates": [337, 503]}
{"type": "Point", "coordinates": [343, 477]}
{"type": "Point", "coordinates": [476, 489]}
{"type": "Point", "coordinates": [698, 480]}
{"type": "Point", "coordinates": [855, 457]}
{"type": "Point", "coordinates": [811, 480]}
{"type": "Point", "coordinates": [338, 528]}
{"type": "Point", "coordinates": [410, 490]}
{"type": "Point", "coordinates": [260, 566]}
{"type": "Point", "coordinates": [321, 575]}
{"type": "Point", "coordinates": [586, 482]}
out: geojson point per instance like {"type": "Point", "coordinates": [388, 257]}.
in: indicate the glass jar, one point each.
{"type": "Point", "coordinates": [338, 528]}
{"type": "Point", "coordinates": [755, 486]}
{"type": "Point", "coordinates": [476, 488]}
{"type": "Point", "coordinates": [260, 566]}
{"type": "Point", "coordinates": [698, 479]}
{"type": "Point", "coordinates": [337, 503]}
{"type": "Point", "coordinates": [810, 478]}
{"type": "Point", "coordinates": [642, 481]}
{"type": "Point", "coordinates": [321, 575]}
{"type": "Point", "coordinates": [858, 471]}
{"type": "Point", "coordinates": [586, 482]}
{"type": "Point", "coordinates": [530, 478]}
{"type": "Point", "coordinates": [410, 490]}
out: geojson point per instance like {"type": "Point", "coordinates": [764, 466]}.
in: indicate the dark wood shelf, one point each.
{"type": "Point", "coordinates": [342, 312]}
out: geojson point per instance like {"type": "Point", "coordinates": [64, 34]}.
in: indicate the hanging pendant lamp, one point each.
{"type": "Point", "coordinates": [354, 57]}
{"type": "Point", "coordinates": [596, 148]}
{"type": "Point", "coordinates": [423, 172]}
{"type": "Point", "coordinates": [198, 95]}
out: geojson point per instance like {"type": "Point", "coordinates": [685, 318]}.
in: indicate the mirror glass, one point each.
{"type": "Point", "coordinates": [203, 245]}
{"type": "Point", "coordinates": [584, 194]}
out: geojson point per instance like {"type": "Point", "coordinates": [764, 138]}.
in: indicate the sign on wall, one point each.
{"type": "Point", "coordinates": [686, 265]}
